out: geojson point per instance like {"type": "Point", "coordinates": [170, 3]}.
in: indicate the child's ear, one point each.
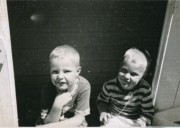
{"type": "Point", "coordinates": [145, 73]}
{"type": "Point", "coordinates": [78, 70]}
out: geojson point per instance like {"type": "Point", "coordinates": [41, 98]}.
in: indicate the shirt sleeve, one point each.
{"type": "Point", "coordinates": [147, 108]}
{"type": "Point", "coordinates": [104, 94]}
{"type": "Point", "coordinates": [83, 99]}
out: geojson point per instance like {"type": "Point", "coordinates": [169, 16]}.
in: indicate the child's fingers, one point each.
{"type": "Point", "coordinates": [109, 115]}
{"type": "Point", "coordinates": [100, 119]}
{"type": "Point", "coordinates": [103, 119]}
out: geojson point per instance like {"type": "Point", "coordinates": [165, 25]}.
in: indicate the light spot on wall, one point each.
{"type": "Point", "coordinates": [37, 18]}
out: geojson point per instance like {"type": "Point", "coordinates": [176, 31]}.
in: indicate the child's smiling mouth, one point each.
{"type": "Point", "coordinates": [61, 83]}
{"type": "Point", "coordinates": [125, 83]}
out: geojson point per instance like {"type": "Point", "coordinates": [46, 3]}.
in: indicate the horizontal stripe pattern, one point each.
{"type": "Point", "coordinates": [133, 104]}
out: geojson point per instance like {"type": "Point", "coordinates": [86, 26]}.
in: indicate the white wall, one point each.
{"type": "Point", "coordinates": [8, 107]}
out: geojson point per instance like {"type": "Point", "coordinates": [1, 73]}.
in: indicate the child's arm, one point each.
{"type": "Point", "coordinates": [103, 99]}
{"type": "Point", "coordinates": [57, 107]}
{"type": "Point", "coordinates": [104, 114]}
{"type": "Point", "coordinates": [102, 107]}
{"type": "Point", "coordinates": [102, 104]}
{"type": "Point", "coordinates": [71, 122]}
{"type": "Point", "coordinates": [147, 109]}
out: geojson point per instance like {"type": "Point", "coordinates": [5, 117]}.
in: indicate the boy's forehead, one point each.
{"type": "Point", "coordinates": [61, 59]}
{"type": "Point", "coordinates": [135, 56]}
{"type": "Point", "coordinates": [64, 60]}
{"type": "Point", "coordinates": [135, 65]}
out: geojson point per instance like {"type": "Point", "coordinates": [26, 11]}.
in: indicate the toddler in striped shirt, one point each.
{"type": "Point", "coordinates": [126, 100]}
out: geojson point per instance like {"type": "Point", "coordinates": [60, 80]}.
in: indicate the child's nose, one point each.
{"type": "Point", "coordinates": [127, 76]}
{"type": "Point", "coordinates": [61, 75]}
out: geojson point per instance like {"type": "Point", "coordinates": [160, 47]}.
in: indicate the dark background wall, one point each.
{"type": "Point", "coordinates": [100, 30]}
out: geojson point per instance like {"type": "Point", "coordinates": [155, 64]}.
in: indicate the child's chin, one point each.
{"type": "Point", "coordinates": [63, 88]}
{"type": "Point", "coordinates": [126, 87]}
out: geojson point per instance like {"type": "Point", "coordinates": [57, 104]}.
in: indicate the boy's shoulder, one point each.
{"type": "Point", "coordinates": [112, 81]}
{"type": "Point", "coordinates": [144, 84]}
{"type": "Point", "coordinates": [83, 83]}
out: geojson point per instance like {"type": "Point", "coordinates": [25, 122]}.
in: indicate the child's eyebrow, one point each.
{"type": "Point", "coordinates": [67, 70]}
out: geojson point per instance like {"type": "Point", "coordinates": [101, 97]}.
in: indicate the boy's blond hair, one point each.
{"type": "Point", "coordinates": [66, 51]}
{"type": "Point", "coordinates": [137, 57]}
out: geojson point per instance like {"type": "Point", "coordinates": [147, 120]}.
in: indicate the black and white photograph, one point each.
{"type": "Point", "coordinates": [89, 63]}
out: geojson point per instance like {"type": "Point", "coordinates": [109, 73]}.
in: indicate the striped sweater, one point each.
{"type": "Point", "coordinates": [134, 104]}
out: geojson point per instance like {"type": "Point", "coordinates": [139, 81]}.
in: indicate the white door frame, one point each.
{"type": "Point", "coordinates": [8, 105]}
{"type": "Point", "coordinates": [163, 45]}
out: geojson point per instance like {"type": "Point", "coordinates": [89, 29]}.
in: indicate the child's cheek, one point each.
{"type": "Point", "coordinates": [120, 74]}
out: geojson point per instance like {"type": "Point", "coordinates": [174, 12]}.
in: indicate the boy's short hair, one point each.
{"type": "Point", "coordinates": [137, 56]}
{"type": "Point", "coordinates": [66, 51]}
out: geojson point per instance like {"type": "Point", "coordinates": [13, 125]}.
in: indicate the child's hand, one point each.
{"type": "Point", "coordinates": [135, 125]}
{"type": "Point", "coordinates": [62, 99]}
{"type": "Point", "coordinates": [104, 117]}
{"type": "Point", "coordinates": [139, 123]}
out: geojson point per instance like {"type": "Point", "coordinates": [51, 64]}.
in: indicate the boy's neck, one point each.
{"type": "Point", "coordinates": [75, 86]}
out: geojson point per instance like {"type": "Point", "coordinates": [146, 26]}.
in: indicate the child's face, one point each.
{"type": "Point", "coordinates": [130, 74]}
{"type": "Point", "coordinates": [63, 73]}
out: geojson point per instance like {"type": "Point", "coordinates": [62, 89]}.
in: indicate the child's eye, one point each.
{"type": "Point", "coordinates": [134, 74]}
{"type": "Point", "coordinates": [67, 71]}
{"type": "Point", "coordinates": [123, 70]}
{"type": "Point", "coordinates": [54, 72]}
